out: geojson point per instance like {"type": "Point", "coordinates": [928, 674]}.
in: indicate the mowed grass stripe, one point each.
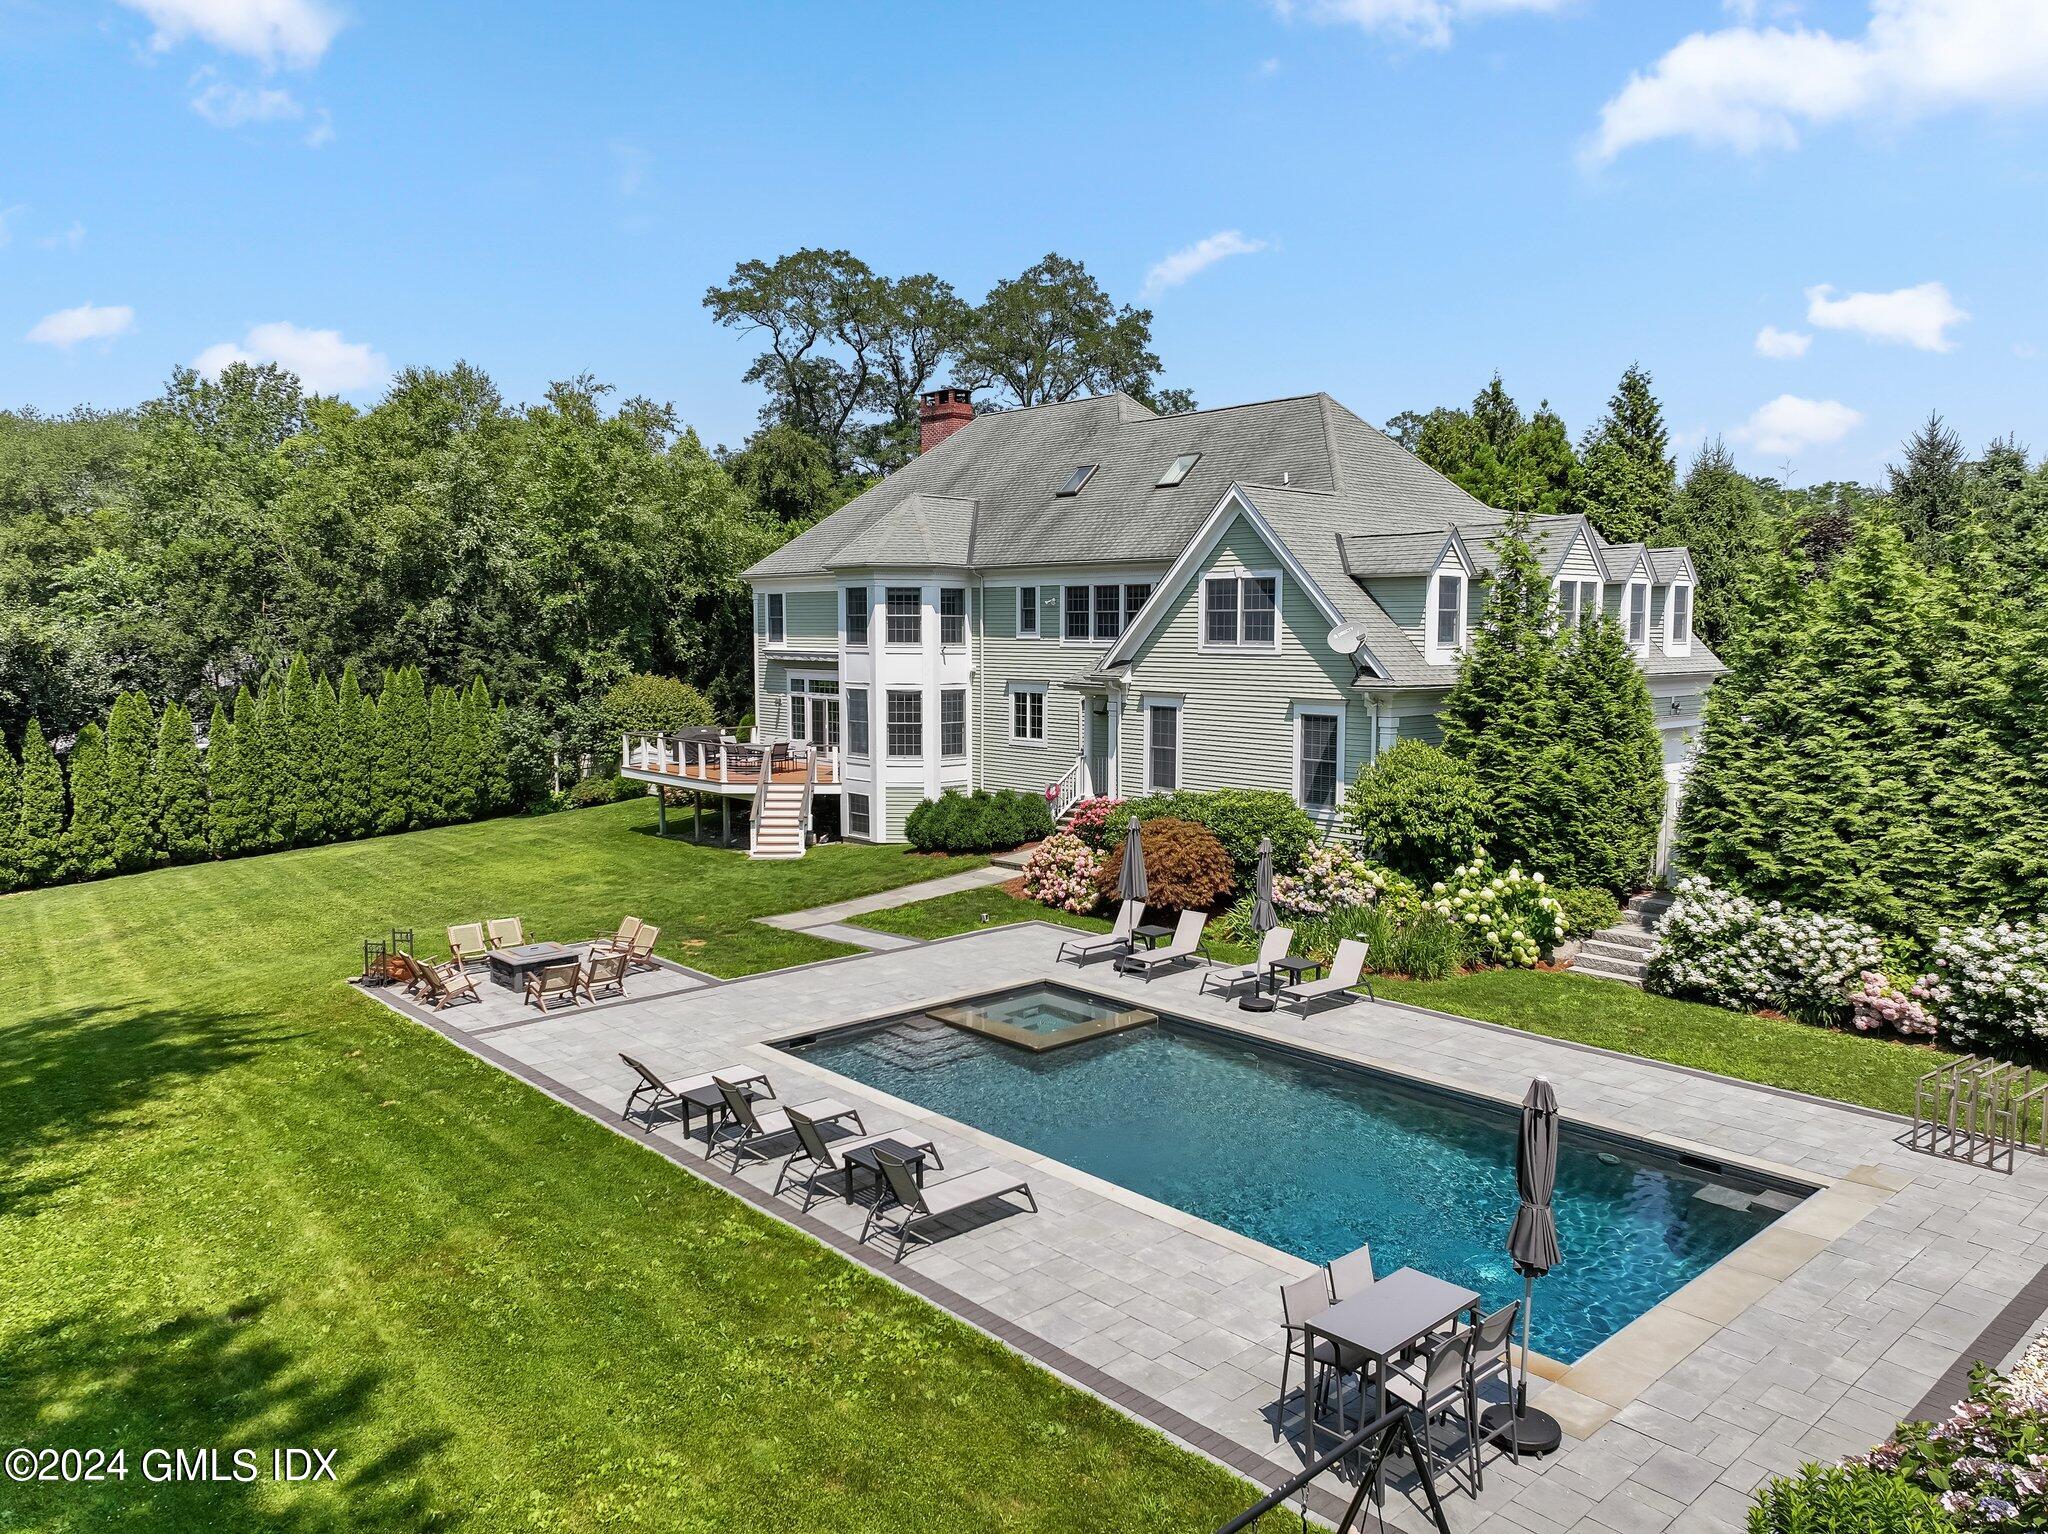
{"type": "Point", "coordinates": [241, 1205]}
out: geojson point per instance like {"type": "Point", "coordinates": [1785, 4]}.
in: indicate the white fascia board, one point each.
{"type": "Point", "coordinates": [1235, 503]}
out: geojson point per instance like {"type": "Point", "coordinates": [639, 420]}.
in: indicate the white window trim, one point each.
{"type": "Point", "coordinates": [1640, 646]}
{"type": "Point", "coordinates": [1203, 645]}
{"type": "Point", "coordinates": [1010, 694]}
{"type": "Point", "coordinates": [1675, 641]}
{"type": "Point", "coordinates": [846, 721]}
{"type": "Point", "coordinates": [925, 726]}
{"type": "Point", "coordinates": [1434, 652]}
{"type": "Point", "coordinates": [1334, 711]}
{"type": "Point", "coordinates": [770, 601]}
{"type": "Point", "coordinates": [1180, 756]}
{"type": "Point", "coordinates": [1037, 617]}
{"type": "Point", "coordinates": [966, 725]}
{"type": "Point", "coordinates": [868, 834]}
{"type": "Point", "coordinates": [1126, 612]}
{"type": "Point", "coordinates": [868, 594]}
{"type": "Point", "coordinates": [926, 615]}
{"type": "Point", "coordinates": [966, 618]}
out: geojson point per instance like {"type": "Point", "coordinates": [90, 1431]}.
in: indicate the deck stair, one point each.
{"type": "Point", "coordinates": [779, 829]}
{"type": "Point", "coordinates": [1622, 951]}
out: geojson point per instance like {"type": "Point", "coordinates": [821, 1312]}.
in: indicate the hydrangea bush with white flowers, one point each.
{"type": "Point", "coordinates": [1990, 984]}
{"type": "Point", "coordinates": [1722, 947]}
{"type": "Point", "coordinates": [1334, 878]}
{"type": "Point", "coordinates": [1062, 873]}
{"type": "Point", "coordinates": [1507, 917]}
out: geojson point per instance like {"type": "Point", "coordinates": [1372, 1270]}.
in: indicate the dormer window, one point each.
{"type": "Point", "coordinates": [1639, 615]}
{"type": "Point", "coordinates": [1177, 470]}
{"type": "Point", "coordinates": [1678, 620]}
{"type": "Point", "coordinates": [1076, 480]}
{"type": "Point", "coordinates": [1447, 612]}
{"type": "Point", "coordinates": [1577, 602]}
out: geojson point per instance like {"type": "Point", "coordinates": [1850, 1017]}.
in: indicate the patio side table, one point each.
{"type": "Point", "coordinates": [864, 1157]}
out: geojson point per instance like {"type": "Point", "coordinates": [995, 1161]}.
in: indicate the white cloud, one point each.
{"type": "Point", "coordinates": [1198, 257]}
{"type": "Point", "coordinates": [65, 239]}
{"type": "Point", "coordinates": [1428, 23]}
{"type": "Point", "coordinates": [1918, 317]}
{"type": "Point", "coordinates": [1754, 88]}
{"type": "Point", "coordinates": [88, 322]}
{"type": "Point", "coordinates": [291, 32]}
{"type": "Point", "coordinates": [322, 131]}
{"type": "Point", "coordinates": [2026, 351]}
{"type": "Point", "coordinates": [1773, 342]}
{"type": "Point", "coordinates": [226, 105]}
{"type": "Point", "coordinates": [1268, 68]}
{"type": "Point", "coordinates": [1788, 424]}
{"type": "Point", "coordinates": [324, 362]}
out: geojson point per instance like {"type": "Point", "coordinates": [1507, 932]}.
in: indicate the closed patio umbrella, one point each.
{"type": "Point", "coordinates": [1131, 886]}
{"type": "Point", "coordinates": [1264, 917]}
{"type": "Point", "coordinates": [1532, 1244]}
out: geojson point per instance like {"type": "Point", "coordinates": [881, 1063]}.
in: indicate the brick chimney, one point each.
{"type": "Point", "coordinates": [941, 413]}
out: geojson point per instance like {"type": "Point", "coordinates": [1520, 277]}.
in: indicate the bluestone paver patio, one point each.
{"type": "Point", "coordinates": [1864, 1304]}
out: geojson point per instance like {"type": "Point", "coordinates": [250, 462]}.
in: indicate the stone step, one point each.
{"type": "Point", "coordinates": [1600, 969]}
{"type": "Point", "coordinates": [1639, 939]}
{"type": "Point", "coordinates": [1621, 955]}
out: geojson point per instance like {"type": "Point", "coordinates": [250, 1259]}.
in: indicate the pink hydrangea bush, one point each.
{"type": "Point", "coordinates": [1062, 872]}
{"type": "Point", "coordinates": [1987, 1461]}
{"type": "Point", "coordinates": [1334, 878]}
{"type": "Point", "coordinates": [1878, 1001]}
{"type": "Point", "coordinates": [1091, 819]}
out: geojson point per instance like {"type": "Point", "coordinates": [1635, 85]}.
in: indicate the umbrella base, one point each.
{"type": "Point", "coordinates": [1257, 1004]}
{"type": "Point", "coordinates": [1532, 1431]}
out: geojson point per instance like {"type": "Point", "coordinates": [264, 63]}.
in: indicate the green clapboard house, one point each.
{"type": "Point", "coordinates": [1093, 599]}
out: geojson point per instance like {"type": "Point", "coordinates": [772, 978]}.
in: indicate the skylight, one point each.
{"type": "Point", "coordinates": [1178, 470]}
{"type": "Point", "coordinates": [1076, 480]}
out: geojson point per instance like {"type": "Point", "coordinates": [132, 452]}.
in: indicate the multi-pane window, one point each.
{"type": "Point", "coordinates": [1027, 713]}
{"type": "Point", "coordinates": [952, 615]}
{"type": "Point", "coordinates": [778, 629]}
{"type": "Point", "coordinates": [858, 822]}
{"type": "Point", "coordinates": [1578, 602]}
{"type": "Point", "coordinates": [1241, 610]}
{"type": "Point", "coordinates": [1680, 603]}
{"type": "Point", "coordinates": [906, 725]}
{"type": "Point", "coordinates": [1027, 612]}
{"type": "Point", "coordinates": [1109, 611]}
{"type": "Point", "coordinates": [1135, 597]}
{"type": "Point", "coordinates": [903, 616]}
{"type": "Point", "coordinates": [1318, 761]}
{"type": "Point", "coordinates": [856, 600]}
{"type": "Point", "coordinates": [799, 710]}
{"type": "Point", "coordinates": [1638, 614]}
{"type": "Point", "coordinates": [1076, 613]}
{"type": "Point", "coordinates": [856, 721]}
{"type": "Point", "coordinates": [953, 722]}
{"type": "Point", "coordinates": [1450, 610]}
{"type": "Point", "coordinates": [1162, 747]}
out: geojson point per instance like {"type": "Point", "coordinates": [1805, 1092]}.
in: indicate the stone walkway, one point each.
{"type": "Point", "coordinates": [830, 921]}
{"type": "Point", "coordinates": [1806, 1343]}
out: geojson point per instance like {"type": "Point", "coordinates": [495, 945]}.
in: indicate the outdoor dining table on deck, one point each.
{"type": "Point", "coordinates": [1382, 1321]}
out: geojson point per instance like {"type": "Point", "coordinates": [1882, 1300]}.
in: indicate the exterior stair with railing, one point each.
{"type": "Point", "coordinates": [1622, 952]}
{"type": "Point", "coordinates": [779, 827]}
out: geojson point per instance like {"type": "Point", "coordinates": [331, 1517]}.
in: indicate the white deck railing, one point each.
{"type": "Point", "coordinates": [1067, 792]}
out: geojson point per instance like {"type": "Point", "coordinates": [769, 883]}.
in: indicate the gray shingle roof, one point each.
{"type": "Point", "coordinates": [1345, 498]}
{"type": "Point", "coordinates": [1667, 565]}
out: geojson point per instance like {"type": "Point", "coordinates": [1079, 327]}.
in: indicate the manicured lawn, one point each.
{"type": "Point", "coordinates": [242, 1206]}
{"type": "Point", "coordinates": [1850, 1067]}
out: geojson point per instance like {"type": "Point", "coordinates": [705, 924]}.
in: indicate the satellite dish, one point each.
{"type": "Point", "coordinates": [1346, 638]}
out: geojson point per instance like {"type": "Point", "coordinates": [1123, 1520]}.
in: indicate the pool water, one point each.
{"type": "Point", "coordinates": [1046, 1009]}
{"type": "Point", "coordinates": [1317, 1158]}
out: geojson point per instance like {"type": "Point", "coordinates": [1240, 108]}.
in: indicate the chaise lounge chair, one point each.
{"type": "Point", "coordinates": [1185, 947]}
{"type": "Point", "coordinates": [1345, 971]}
{"type": "Point", "coordinates": [506, 932]}
{"type": "Point", "coordinates": [751, 1128]}
{"type": "Point", "coordinates": [827, 1158]}
{"type": "Point", "coordinates": [466, 942]}
{"type": "Point", "coordinates": [1273, 945]}
{"type": "Point", "coordinates": [1116, 941]}
{"type": "Point", "coordinates": [661, 1095]}
{"type": "Point", "coordinates": [934, 1199]}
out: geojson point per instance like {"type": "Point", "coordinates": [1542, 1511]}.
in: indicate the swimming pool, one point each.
{"type": "Point", "coordinates": [1316, 1157]}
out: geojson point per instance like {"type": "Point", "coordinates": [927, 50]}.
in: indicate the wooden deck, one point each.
{"type": "Point", "coordinates": [707, 778]}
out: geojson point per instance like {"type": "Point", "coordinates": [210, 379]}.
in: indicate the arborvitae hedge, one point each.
{"type": "Point", "coordinates": [300, 763]}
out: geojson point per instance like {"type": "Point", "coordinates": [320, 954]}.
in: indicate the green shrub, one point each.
{"type": "Point", "coordinates": [1425, 946]}
{"type": "Point", "coordinates": [1416, 810]}
{"type": "Point", "coordinates": [603, 790]}
{"type": "Point", "coordinates": [987, 821]}
{"type": "Point", "coordinates": [646, 704]}
{"type": "Point", "coordinates": [1236, 817]}
{"type": "Point", "coordinates": [1818, 1501]}
{"type": "Point", "coordinates": [1186, 868]}
{"type": "Point", "coordinates": [1587, 911]}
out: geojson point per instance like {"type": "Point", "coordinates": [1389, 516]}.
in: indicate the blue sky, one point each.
{"type": "Point", "coordinates": [1417, 191]}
